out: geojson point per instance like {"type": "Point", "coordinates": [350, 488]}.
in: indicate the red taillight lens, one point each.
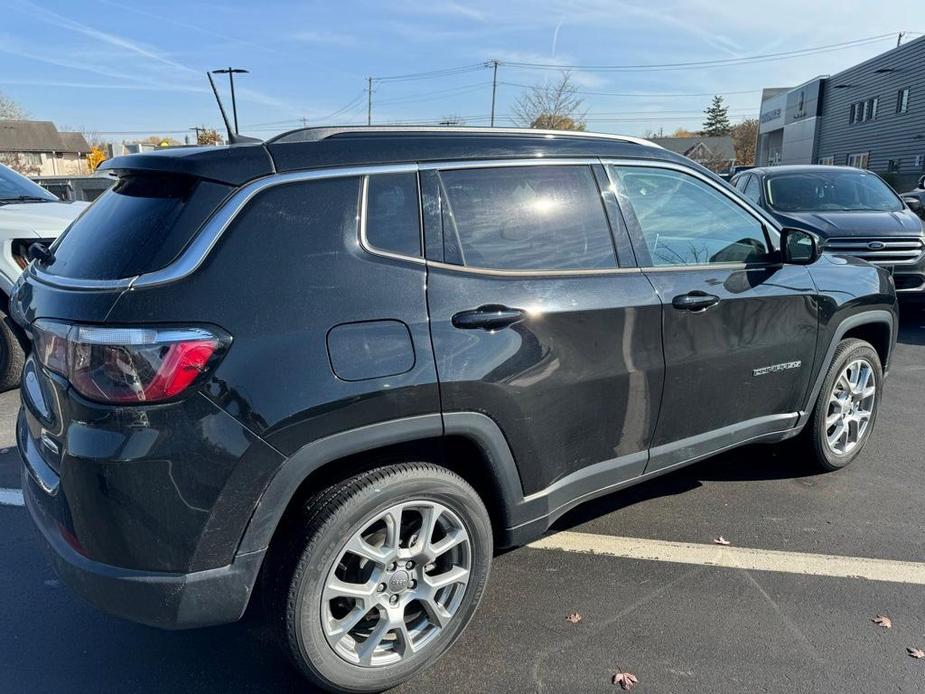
{"type": "Point", "coordinates": [127, 365]}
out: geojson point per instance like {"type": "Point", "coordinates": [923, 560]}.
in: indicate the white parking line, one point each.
{"type": "Point", "coordinates": [736, 557]}
{"type": "Point", "coordinates": [11, 497]}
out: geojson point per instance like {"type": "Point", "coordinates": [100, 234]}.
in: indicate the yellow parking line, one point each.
{"type": "Point", "coordinates": [736, 557]}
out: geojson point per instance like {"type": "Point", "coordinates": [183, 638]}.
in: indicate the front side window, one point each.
{"type": "Point", "coordinates": [14, 186]}
{"type": "Point", "coordinates": [525, 218]}
{"type": "Point", "coordinates": [393, 221]}
{"type": "Point", "coordinates": [831, 191]}
{"type": "Point", "coordinates": [685, 221]}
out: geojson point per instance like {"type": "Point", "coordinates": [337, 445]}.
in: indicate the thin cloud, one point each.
{"type": "Point", "coordinates": [328, 38]}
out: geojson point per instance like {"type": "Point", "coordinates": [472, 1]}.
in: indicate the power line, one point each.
{"type": "Point", "coordinates": [704, 63]}
{"type": "Point", "coordinates": [432, 74]}
{"type": "Point", "coordinates": [642, 94]}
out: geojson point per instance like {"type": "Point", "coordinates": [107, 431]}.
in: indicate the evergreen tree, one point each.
{"type": "Point", "coordinates": [717, 118]}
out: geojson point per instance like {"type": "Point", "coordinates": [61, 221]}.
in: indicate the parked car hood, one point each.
{"type": "Point", "coordinates": [42, 219]}
{"type": "Point", "coordinates": [834, 224]}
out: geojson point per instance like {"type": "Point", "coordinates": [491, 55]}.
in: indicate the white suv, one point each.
{"type": "Point", "coordinates": [28, 214]}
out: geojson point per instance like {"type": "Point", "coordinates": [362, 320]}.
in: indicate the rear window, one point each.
{"type": "Point", "coordinates": [138, 226]}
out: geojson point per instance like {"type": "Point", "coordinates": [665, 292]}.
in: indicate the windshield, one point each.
{"type": "Point", "coordinates": [14, 186]}
{"type": "Point", "coordinates": [827, 191]}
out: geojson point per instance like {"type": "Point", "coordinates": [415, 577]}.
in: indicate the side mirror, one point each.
{"type": "Point", "coordinates": [799, 247]}
{"type": "Point", "coordinates": [913, 204]}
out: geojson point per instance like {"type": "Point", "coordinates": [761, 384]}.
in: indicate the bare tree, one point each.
{"type": "Point", "coordinates": [555, 106]}
{"type": "Point", "coordinates": [10, 110]}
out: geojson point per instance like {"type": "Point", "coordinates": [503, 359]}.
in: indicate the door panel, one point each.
{"type": "Point", "coordinates": [575, 383]}
{"type": "Point", "coordinates": [573, 370]}
{"type": "Point", "coordinates": [739, 329]}
{"type": "Point", "coordinates": [765, 317]}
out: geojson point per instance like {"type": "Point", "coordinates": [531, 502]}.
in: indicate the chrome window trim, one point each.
{"type": "Point", "coordinates": [768, 226]}
{"type": "Point", "coordinates": [195, 253]}
{"type": "Point", "coordinates": [364, 241]}
{"type": "Point", "coordinates": [532, 273]}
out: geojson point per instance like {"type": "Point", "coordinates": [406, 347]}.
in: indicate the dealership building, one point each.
{"type": "Point", "coordinates": [871, 115]}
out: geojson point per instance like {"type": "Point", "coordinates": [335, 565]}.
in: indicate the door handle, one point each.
{"type": "Point", "coordinates": [488, 317]}
{"type": "Point", "coordinates": [695, 301]}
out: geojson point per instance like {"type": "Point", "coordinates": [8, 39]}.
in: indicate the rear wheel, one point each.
{"type": "Point", "coordinates": [381, 575]}
{"type": "Point", "coordinates": [846, 408]}
{"type": "Point", "coordinates": [11, 356]}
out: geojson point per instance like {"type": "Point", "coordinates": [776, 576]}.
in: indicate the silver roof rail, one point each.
{"type": "Point", "coordinates": [316, 134]}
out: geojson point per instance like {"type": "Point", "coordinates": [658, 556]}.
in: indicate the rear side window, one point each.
{"type": "Point", "coordinates": [525, 218]}
{"type": "Point", "coordinates": [393, 221]}
{"type": "Point", "coordinates": [138, 226]}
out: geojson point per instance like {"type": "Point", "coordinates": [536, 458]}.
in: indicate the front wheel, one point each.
{"type": "Point", "coordinates": [846, 409]}
{"type": "Point", "coordinates": [386, 570]}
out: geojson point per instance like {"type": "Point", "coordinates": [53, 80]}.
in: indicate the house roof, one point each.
{"type": "Point", "coordinates": [38, 136]}
{"type": "Point", "coordinates": [720, 148]}
{"type": "Point", "coordinates": [75, 142]}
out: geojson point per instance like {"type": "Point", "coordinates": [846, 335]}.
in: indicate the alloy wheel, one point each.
{"type": "Point", "coordinates": [850, 407]}
{"type": "Point", "coordinates": [396, 584]}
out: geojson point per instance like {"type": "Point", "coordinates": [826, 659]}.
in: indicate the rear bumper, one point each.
{"type": "Point", "coordinates": [159, 599]}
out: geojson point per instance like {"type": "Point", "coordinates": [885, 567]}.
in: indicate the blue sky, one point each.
{"type": "Point", "coordinates": [122, 70]}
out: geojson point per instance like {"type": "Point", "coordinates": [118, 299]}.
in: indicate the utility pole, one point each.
{"type": "Point", "coordinates": [899, 38]}
{"type": "Point", "coordinates": [494, 88]}
{"type": "Point", "coordinates": [369, 101]}
{"type": "Point", "coordinates": [231, 72]}
{"type": "Point", "coordinates": [197, 129]}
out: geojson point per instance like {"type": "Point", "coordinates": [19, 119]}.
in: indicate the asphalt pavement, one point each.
{"type": "Point", "coordinates": [679, 627]}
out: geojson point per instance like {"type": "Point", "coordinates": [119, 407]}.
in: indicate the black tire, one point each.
{"type": "Point", "coordinates": [814, 435]}
{"type": "Point", "coordinates": [300, 563]}
{"type": "Point", "coordinates": [12, 356]}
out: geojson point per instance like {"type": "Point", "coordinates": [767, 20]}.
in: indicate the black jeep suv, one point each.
{"type": "Point", "coordinates": [346, 365]}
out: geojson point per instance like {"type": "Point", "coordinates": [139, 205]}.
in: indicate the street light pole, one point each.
{"type": "Point", "coordinates": [494, 89]}
{"type": "Point", "coordinates": [231, 72]}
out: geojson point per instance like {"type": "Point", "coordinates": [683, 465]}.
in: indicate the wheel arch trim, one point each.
{"type": "Point", "coordinates": [878, 316]}
{"type": "Point", "coordinates": [478, 428]}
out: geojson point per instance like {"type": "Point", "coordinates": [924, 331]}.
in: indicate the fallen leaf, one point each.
{"type": "Point", "coordinates": [574, 618]}
{"type": "Point", "coordinates": [626, 680]}
{"type": "Point", "coordinates": [916, 652]}
{"type": "Point", "coordinates": [721, 540]}
{"type": "Point", "coordinates": [882, 621]}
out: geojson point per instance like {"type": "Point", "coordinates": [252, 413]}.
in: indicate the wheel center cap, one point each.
{"type": "Point", "coordinates": [399, 581]}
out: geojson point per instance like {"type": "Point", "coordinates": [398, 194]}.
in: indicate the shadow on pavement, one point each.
{"type": "Point", "coordinates": [912, 325]}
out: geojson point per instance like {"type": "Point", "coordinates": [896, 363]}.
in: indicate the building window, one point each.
{"type": "Point", "coordinates": [865, 110]}
{"type": "Point", "coordinates": [859, 160]}
{"type": "Point", "coordinates": [852, 113]}
{"type": "Point", "coordinates": [874, 107]}
{"type": "Point", "coordinates": [32, 158]}
{"type": "Point", "coordinates": [827, 161]}
{"type": "Point", "coordinates": [894, 165]}
{"type": "Point", "coordinates": [919, 161]}
{"type": "Point", "coordinates": [902, 100]}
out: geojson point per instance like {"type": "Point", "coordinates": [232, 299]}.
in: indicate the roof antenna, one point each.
{"type": "Point", "coordinates": [233, 137]}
